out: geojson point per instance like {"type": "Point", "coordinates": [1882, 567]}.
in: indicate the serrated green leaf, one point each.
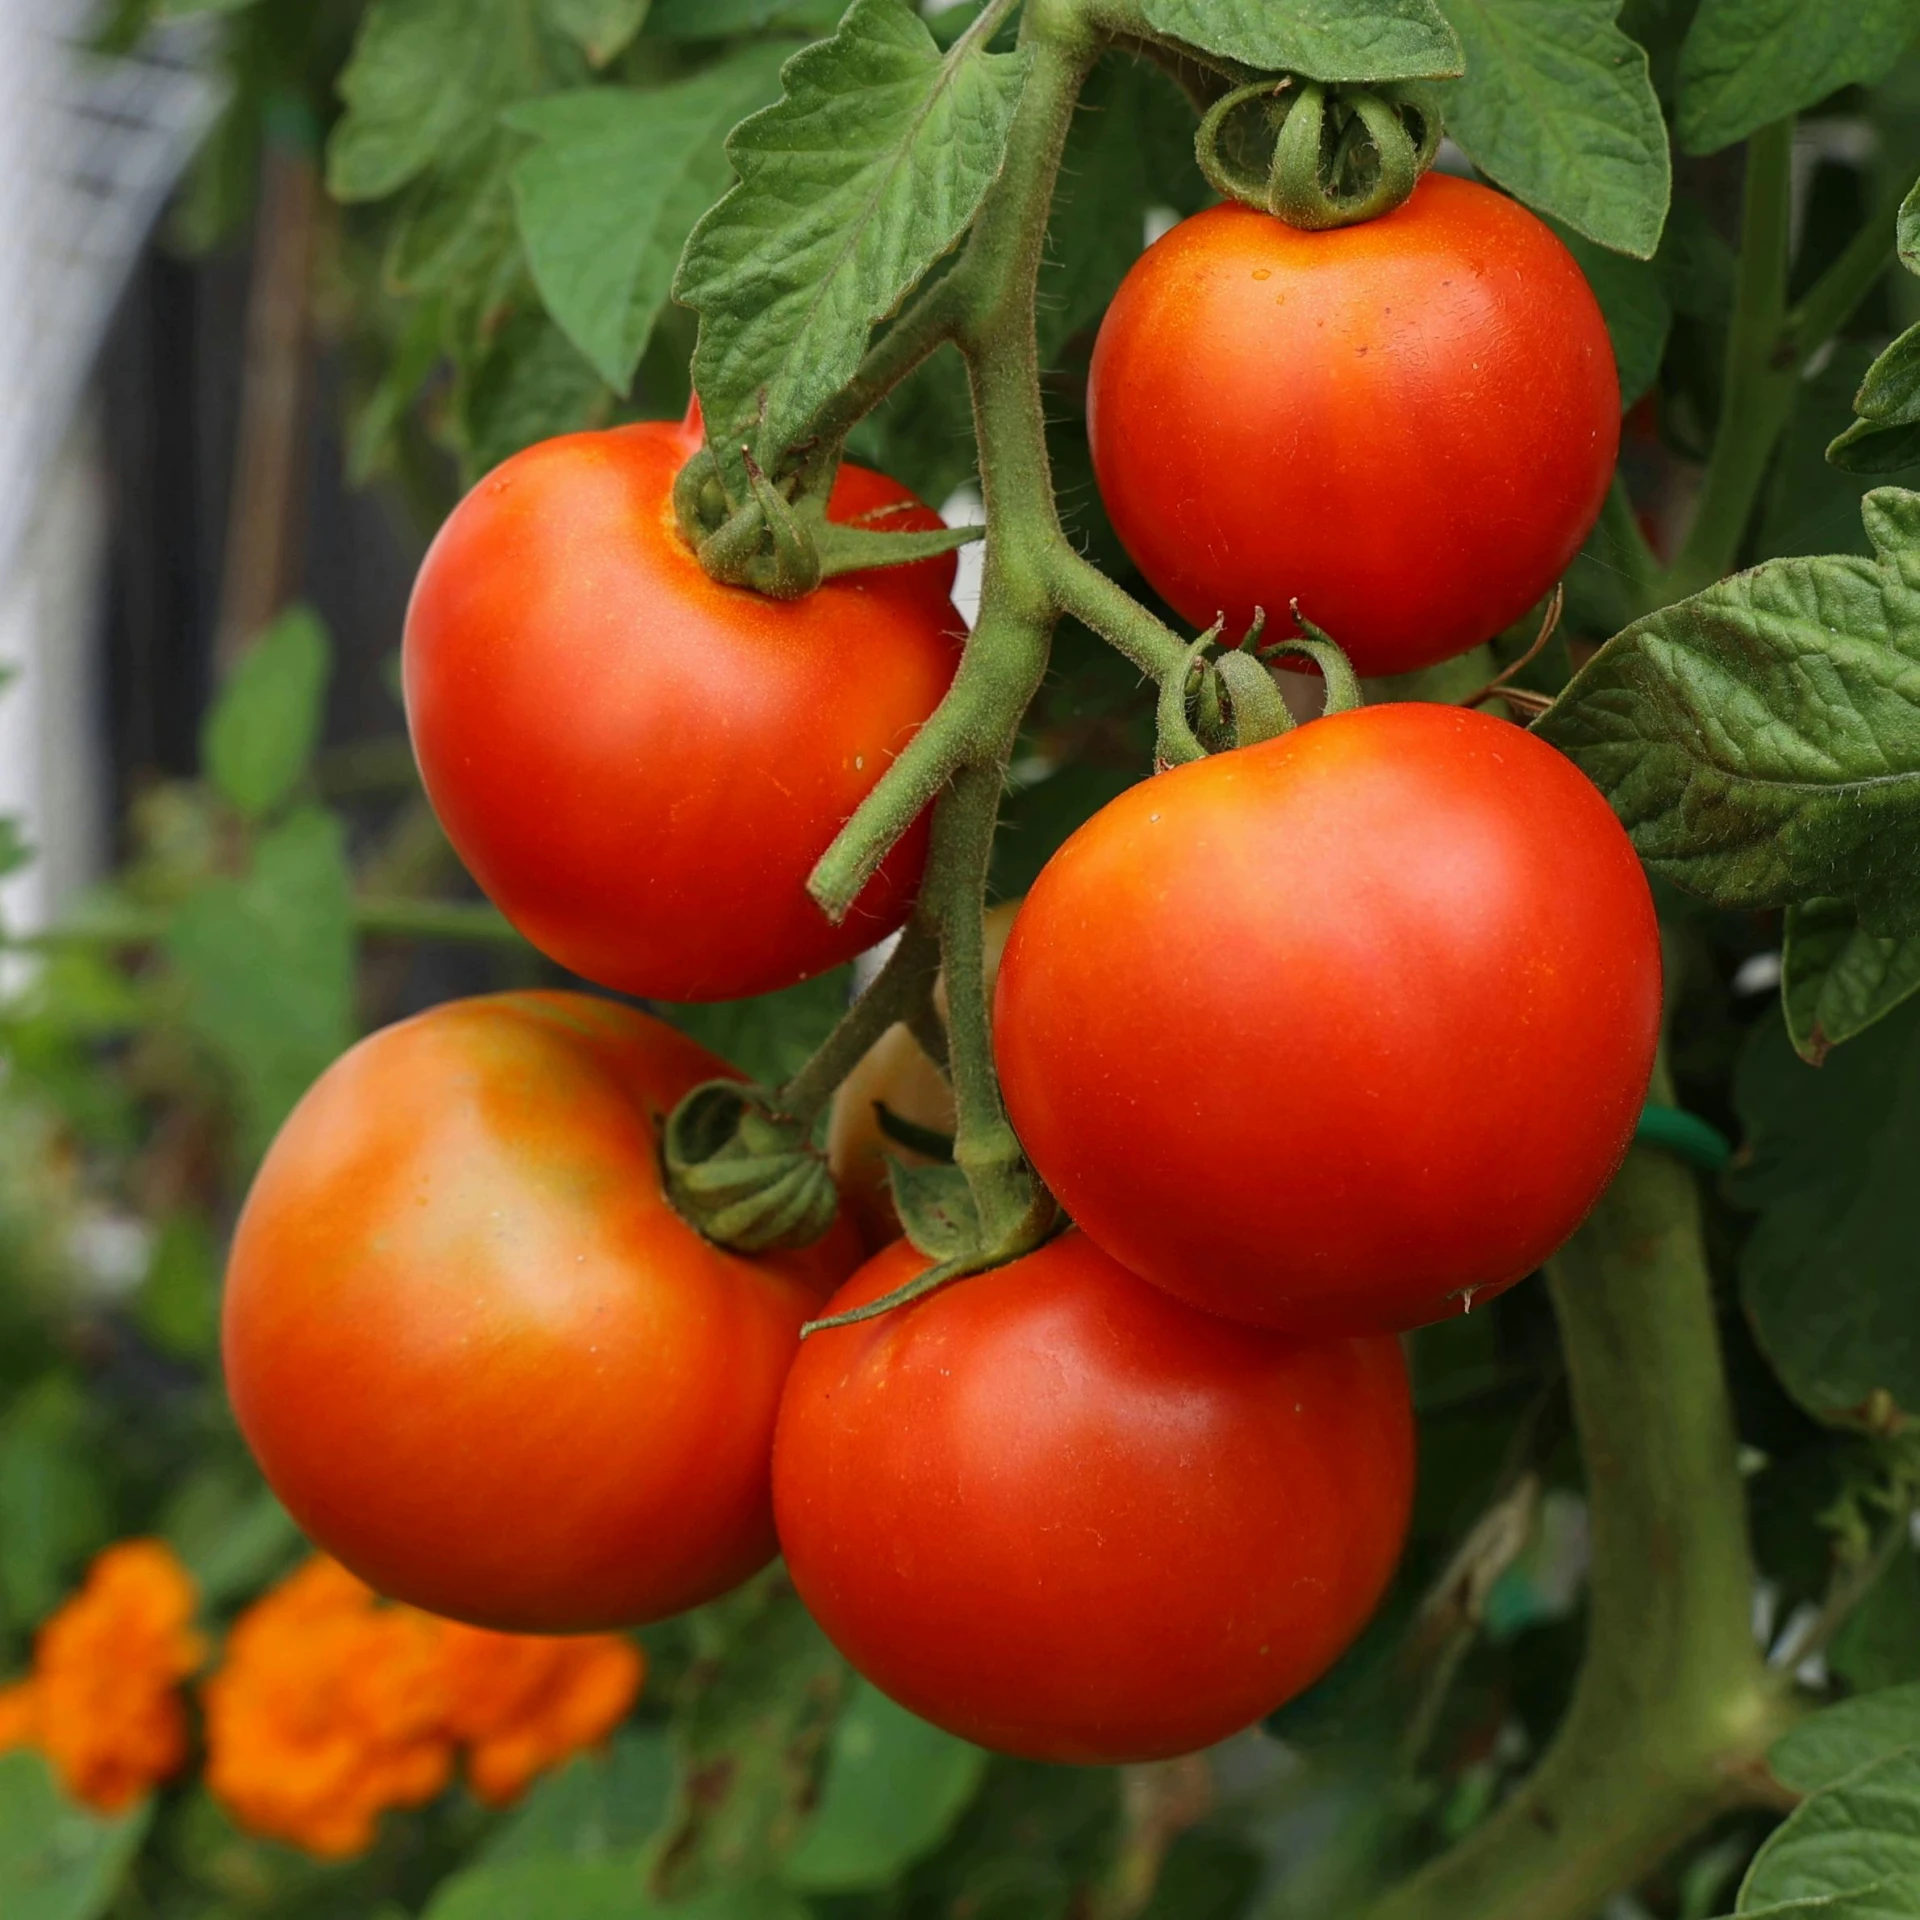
{"type": "Point", "coordinates": [267, 968]}
{"type": "Point", "coordinates": [257, 741]}
{"type": "Point", "coordinates": [1831, 1743]}
{"type": "Point", "coordinates": [602, 27]}
{"type": "Point", "coordinates": [1836, 981]}
{"type": "Point", "coordinates": [1322, 39]}
{"type": "Point", "coordinates": [1886, 436]}
{"type": "Point", "coordinates": [1557, 106]}
{"type": "Point", "coordinates": [893, 1790]}
{"type": "Point", "coordinates": [1748, 62]}
{"type": "Point", "coordinates": [454, 231]}
{"type": "Point", "coordinates": [1827, 1272]}
{"type": "Point", "coordinates": [1857, 1842]}
{"type": "Point", "coordinates": [1761, 741]}
{"type": "Point", "coordinates": [57, 1860]}
{"type": "Point", "coordinates": [606, 200]}
{"type": "Point", "coordinates": [869, 169]}
{"type": "Point", "coordinates": [1634, 302]}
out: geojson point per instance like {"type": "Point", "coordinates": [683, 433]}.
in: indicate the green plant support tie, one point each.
{"type": "Point", "coordinates": [1684, 1135]}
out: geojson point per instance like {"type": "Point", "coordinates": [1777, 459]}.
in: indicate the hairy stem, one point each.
{"type": "Point", "coordinates": [1674, 1708]}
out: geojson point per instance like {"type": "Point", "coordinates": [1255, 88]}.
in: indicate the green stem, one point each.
{"type": "Point", "coordinates": [1628, 548]}
{"type": "Point", "coordinates": [1761, 368]}
{"type": "Point", "coordinates": [900, 987]}
{"type": "Point", "coordinates": [1674, 1708]}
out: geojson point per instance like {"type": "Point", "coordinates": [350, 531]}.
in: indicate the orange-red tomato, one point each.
{"type": "Point", "coordinates": [1407, 425]}
{"type": "Point", "coordinates": [1342, 1032]}
{"type": "Point", "coordinates": [640, 766]}
{"type": "Point", "coordinates": [475, 1351]}
{"type": "Point", "coordinates": [1055, 1511]}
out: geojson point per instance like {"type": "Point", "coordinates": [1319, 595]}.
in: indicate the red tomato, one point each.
{"type": "Point", "coordinates": [477, 1354]}
{"type": "Point", "coordinates": [1056, 1512]}
{"type": "Point", "coordinates": [1408, 425]}
{"type": "Point", "coordinates": [1339, 1033]}
{"type": "Point", "coordinates": [640, 766]}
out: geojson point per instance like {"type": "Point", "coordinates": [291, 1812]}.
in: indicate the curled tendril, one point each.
{"type": "Point", "coordinates": [1338, 155]}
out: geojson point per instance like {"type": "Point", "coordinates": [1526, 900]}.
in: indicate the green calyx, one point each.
{"type": "Point", "coordinates": [1215, 701]}
{"type": "Point", "coordinates": [785, 547]}
{"type": "Point", "coordinates": [742, 1175]}
{"type": "Point", "coordinates": [1316, 155]}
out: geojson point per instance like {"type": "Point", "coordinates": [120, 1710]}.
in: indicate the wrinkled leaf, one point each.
{"type": "Point", "coordinates": [1748, 62]}
{"type": "Point", "coordinates": [57, 1860]}
{"type": "Point", "coordinates": [1833, 1742]}
{"type": "Point", "coordinates": [530, 384]}
{"type": "Point", "coordinates": [894, 1788]}
{"type": "Point", "coordinates": [1857, 1842]}
{"type": "Point", "coordinates": [1322, 39]}
{"type": "Point", "coordinates": [1634, 302]}
{"type": "Point", "coordinates": [1836, 980]}
{"type": "Point", "coordinates": [868, 170]}
{"type": "Point", "coordinates": [259, 738]}
{"type": "Point", "coordinates": [606, 200]}
{"type": "Point", "coordinates": [1557, 106]}
{"type": "Point", "coordinates": [602, 27]}
{"type": "Point", "coordinates": [1827, 1272]}
{"type": "Point", "coordinates": [708, 19]}
{"type": "Point", "coordinates": [267, 967]}
{"type": "Point", "coordinates": [1761, 741]}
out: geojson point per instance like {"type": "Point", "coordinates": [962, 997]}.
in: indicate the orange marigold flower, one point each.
{"type": "Point", "coordinates": [523, 1702]}
{"type": "Point", "coordinates": [330, 1708]}
{"type": "Point", "coordinates": [103, 1703]}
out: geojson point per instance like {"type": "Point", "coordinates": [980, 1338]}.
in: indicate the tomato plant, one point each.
{"type": "Point", "coordinates": [1017, 1505]}
{"type": "Point", "coordinates": [1438, 1054]}
{"type": "Point", "coordinates": [461, 1225]}
{"type": "Point", "coordinates": [645, 811]}
{"type": "Point", "coordinates": [1407, 427]}
{"type": "Point", "coordinates": [1337, 1004]}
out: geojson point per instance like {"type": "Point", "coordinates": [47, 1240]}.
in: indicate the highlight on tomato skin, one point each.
{"type": "Point", "coordinates": [1405, 1055]}
{"type": "Point", "coordinates": [611, 739]}
{"type": "Point", "coordinates": [1063, 1515]}
{"type": "Point", "coordinates": [478, 1355]}
{"type": "Point", "coordinates": [1409, 426]}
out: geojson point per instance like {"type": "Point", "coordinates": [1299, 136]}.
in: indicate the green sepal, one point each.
{"type": "Point", "coordinates": [857, 549]}
{"type": "Point", "coordinates": [743, 1176]}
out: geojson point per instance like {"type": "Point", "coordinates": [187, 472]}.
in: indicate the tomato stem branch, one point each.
{"type": "Point", "coordinates": [1674, 1709]}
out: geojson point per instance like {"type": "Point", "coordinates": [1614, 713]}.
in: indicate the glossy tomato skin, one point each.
{"type": "Point", "coordinates": [478, 1356]}
{"type": "Point", "coordinates": [1058, 1513]}
{"type": "Point", "coordinates": [1339, 1033]}
{"type": "Point", "coordinates": [1408, 425]}
{"type": "Point", "coordinates": [640, 766]}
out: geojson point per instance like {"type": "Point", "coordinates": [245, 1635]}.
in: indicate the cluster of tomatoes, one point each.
{"type": "Point", "coordinates": [1315, 1041]}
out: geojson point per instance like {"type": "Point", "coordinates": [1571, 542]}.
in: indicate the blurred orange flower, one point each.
{"type": "Point", "coordinates": [522, 1703]}
{"type": "Point", "coordinates": [333, 1706]}
{"type": "Point", "coordinates": [329, 1709]}
{"type": "Point", "coordinates": [102, 1702]}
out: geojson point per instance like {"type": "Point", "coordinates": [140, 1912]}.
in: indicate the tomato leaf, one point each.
{"type": "Point", "coordinates": [1831, 1743]}
{"type": "Point", "coordinates": [1322, 39]}
{"type": "Point", "coordinates": [894, 1788]}
{"type": "Point", "coordinates": [596, 1805]}
{"type": "Point", "coordinates": [606, 200]}
{"type": "Point", "coordinates": [1837, 980]}
{"type": "Point", "coordinates": [267, 967]}
{"type": "Point", "coordinates": [707, 19]}
{"type": "Point", "coordinates": [1827, 1272]}
{"type": "Point", "coordinates": [601, 27]}
{"type": "Point", "coordinates": [1557, 106]}
{"type": "Point", "coordinates": [869, 169]}
{"type": "Point", "coordinates": [529, 384]}
{"type": "Point", "coordinates": [57, 1860]}
{"type": "Point", "coordinates": [611, 1889]}
{"type": "Point", "coordinates": [1748, 62]}
{"type": "Point", "coordinates": [1852, 1850]}
{"type": "Point", "coordinates": [259, 737]}
{"type": "Point", "coordinates": [1761, 741]}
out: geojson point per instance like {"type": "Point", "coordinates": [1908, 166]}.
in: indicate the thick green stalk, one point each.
{"type": "Point", "coordinates": [1760, 371]}
{"type": "Point", "coordinates": [1674, 1708]}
